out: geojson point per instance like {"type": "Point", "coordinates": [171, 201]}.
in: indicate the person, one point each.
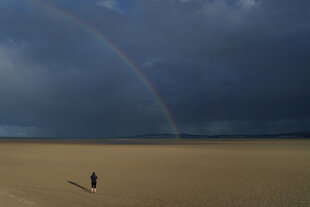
{"type": "Point", "coordinates": [93, 178]}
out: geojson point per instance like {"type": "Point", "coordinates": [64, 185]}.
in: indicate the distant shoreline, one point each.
{"type": "Point", "coordinates": [114, 141]}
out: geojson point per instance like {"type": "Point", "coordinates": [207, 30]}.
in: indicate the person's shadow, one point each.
{"type": "Point", "coordinates": [79, 186]}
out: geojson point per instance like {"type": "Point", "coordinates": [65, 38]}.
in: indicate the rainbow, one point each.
{"type": "Point", "coordinates": [117, 52]}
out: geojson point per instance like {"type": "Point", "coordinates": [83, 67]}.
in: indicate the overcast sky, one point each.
{"type": "Point", "coordinates": [220, 67]}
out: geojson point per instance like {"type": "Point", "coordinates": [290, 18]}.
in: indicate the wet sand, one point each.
{"type": "Point", "coordinates": [191, 173]}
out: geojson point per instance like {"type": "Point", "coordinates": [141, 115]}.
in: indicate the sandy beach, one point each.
{"type": "Point", "coordinates": [200, 173]}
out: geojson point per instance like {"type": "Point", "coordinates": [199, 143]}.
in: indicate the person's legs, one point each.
{"type": "Point", "coordinates": [95, 184]}
{"type": "Point", "coordinates": [92, 187]}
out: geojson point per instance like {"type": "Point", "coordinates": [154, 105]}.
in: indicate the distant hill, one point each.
{"type": "Point", "coordinates": [229, 136]}
{"type": "Point", "coordinates": [177, 136]}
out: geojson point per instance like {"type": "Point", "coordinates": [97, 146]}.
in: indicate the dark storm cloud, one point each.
{"type": "Point", "coordinates": [221, 67]}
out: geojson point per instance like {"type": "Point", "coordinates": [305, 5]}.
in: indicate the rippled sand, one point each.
{"type": "Point", "coordinates": [201, 173]}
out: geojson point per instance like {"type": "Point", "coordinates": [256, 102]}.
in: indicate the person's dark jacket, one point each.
{"type": "Point", "coordinates": [93, 178]}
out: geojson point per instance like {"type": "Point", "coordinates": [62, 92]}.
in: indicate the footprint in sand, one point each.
{"type": "Point", "coordinates": [11, 200]}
